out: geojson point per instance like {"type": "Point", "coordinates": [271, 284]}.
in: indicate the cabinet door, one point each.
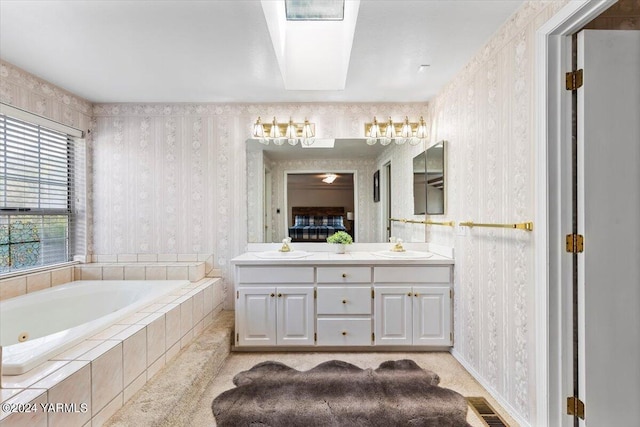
{"type": "Point", "coordinates": [256, 316]}
{"type": "Point", "coordinates": [431, 315]}
{"type": "Point", "coordinates": [295, 315]}
{"type": "Point", "coordinates": [393, 315]}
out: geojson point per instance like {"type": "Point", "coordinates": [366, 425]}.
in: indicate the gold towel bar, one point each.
{"type": "Point", "coordinates": [427, 222]}
{"type": "Point", "coordinates": [527, 226]}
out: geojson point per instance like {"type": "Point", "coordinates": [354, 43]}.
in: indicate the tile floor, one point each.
{"type": "Point", "coordinates": [452, 375]}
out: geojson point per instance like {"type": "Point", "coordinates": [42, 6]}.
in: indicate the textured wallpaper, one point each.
{"type": "Point", "coordinates": [486, 115]}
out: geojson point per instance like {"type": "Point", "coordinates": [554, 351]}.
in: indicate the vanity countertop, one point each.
{"type": "Point", "coordinates": [352, 258]}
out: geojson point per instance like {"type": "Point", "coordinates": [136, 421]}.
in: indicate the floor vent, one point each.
{"type": "Point", "coordinates": [486, 412]}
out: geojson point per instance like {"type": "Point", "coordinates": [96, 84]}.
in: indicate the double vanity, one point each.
{"type": "Point", "coordinates": [359, 300]}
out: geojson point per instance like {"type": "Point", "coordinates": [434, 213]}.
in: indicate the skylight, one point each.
{"type": "Point", "coordinates": [314, 10]}
{"type": "Point", "coordinates": [312, 54]}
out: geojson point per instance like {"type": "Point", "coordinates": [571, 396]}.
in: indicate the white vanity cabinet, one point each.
{"type": "Point", "coordinates": [275, 306]}
{"type": "Point", "coordinates": [321, 302]}
{"type": "Point", "coordinates": [413, 305]}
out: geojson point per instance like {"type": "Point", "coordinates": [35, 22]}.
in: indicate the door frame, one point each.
{"type": "Point", "coordinates": [553, 198]}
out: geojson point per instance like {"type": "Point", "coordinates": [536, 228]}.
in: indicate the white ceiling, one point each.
{"type": "Point", "coordinates": [221, 51]}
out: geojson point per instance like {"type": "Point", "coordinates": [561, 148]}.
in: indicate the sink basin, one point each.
{"type": "Point", "coordinates": [404, 255]}
{"type": "Point", "coordinates": [282, 255]}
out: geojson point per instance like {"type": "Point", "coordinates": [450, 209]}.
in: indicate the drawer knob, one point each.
{"type": "Point", "coordinates": [344, 332]}
{"type": "Point", "coordinates": [415, 295]}
{"type": "Point", "coordinates": [344, 301]}
{"type": "Point", "coordinates": [344, 274]}
{"type": "Point", "coordinates": [409, 294]}
{"type": "Point", "coordinates": [272, 295]}
{"type": "Point", "coordinates": [280, 295]}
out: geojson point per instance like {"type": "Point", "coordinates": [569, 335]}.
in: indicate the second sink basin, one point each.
{"type": "Point", "coordinates": [282, 255]}
{"type": "Point", "coordinates": [403, 255]}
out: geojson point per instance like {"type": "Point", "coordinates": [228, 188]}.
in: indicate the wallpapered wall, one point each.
{"type": "Point", "coordinates": [486, 115]}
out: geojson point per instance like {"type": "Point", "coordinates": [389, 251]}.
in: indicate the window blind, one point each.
{"type": "Point", "coordinates": [36, 195]}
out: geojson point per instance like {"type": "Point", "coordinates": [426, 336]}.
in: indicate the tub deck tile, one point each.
{"type": "Point", "coordinates": [110, 332]}
{"type": "Point", "coordinates": [77, 351]}
{"type": "Point", "coordinates": [99, 350]}
{"type": "Point", "coordinates": [134, 319]}
{"type": "Point", "coordinates": [33, 376]}
{"type": "Point", "coordinates": [61, 374]}
{"type": "Point", "coordinates": [26, 419]}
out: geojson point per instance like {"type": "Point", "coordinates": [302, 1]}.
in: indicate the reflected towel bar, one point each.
{"type": "Point", "coordinates": [527, 226]}
{"type": "Point", "coordinates": [427, 222]}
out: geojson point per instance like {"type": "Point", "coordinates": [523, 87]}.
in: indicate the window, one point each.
{"type": "Point", "coordinates": [36, 194]}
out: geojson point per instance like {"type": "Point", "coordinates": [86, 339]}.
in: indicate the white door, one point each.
{"type": "Point", "coordinates": [295, 316]}
{"type": "Point", "coordinates": [393, 315]}
{"type": "Point", "coordinates": [257, 322]}
{"type": "Point", "coordinates": [431, 315]}
{"type": "Point", "coordinates": [609, 219]}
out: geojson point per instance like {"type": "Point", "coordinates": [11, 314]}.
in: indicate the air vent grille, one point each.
{"type": "Point", "coordinates": [486, 412]}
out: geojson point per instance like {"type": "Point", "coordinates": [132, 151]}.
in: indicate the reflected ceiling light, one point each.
{"type": "Point", "coordinates": [413, 133]}
{"type": "Point", "coordinates": [290, 132]}
{"type": "Point", "coordinates": [310, 10]}
{"type": "Point", "coordinates": [330, 178]}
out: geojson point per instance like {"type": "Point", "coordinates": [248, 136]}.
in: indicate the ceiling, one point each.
{"type": "Point", "coordinates": [221, 51]}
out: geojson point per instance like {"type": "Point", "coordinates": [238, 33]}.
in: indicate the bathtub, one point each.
{"type": "Point", "coordinates": [40, 325]}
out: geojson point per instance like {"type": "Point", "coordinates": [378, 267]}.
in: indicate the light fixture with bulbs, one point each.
{"type": "Point", "coordinates": [279, 133]}
{"type": "Point", "coordinates": [412, 132]}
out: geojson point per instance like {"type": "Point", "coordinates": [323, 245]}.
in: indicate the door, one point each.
{"type": "Point", "coordinates": [609, 218]}
{"type": "Point", "coordinates": [393, 318]}
{"type": "Point", "coordinates": [295, 315]}
{"type": "Point", "coordinates": [432, 315]}
{"type": "Point", "coordinates": [257, 322]}
{"type": "Point", "coordinates": [268, 232]}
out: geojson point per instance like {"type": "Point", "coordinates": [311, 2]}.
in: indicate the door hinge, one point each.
{"type": "Point", "coordinates": [450, 336]}
{"type": "Point", "coordinates": [315, 337]}
{"type": "Point", "coordinates": [574, 79]}
{"type": "Point", "coordinates": [237, 294]}
{"type": "Point", "coordinates": [574, 243]}
{"type": "Point", "coordinates": [373, 337]}
{"type": "Point", "coordinates": [451, 293]}
{"type": "Point", "coordinates": [373, 293]}
{"type": "Point", "coordinates": [575, 407]}
{"type": "Point", "coordinates": [237, 338]}
{"type": "Point", "coordinates": [315, 293]}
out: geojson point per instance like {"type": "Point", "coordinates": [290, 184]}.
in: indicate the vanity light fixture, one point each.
{"type": "Point", "coordinates": [412, 132]}
{"type": "Point", "coordinates": [330, 178]}
{"type": "Point", "coordinates": [290, 132]}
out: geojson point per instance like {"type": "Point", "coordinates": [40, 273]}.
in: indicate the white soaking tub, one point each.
{"type": "Point", "coordinates": [37, 326]}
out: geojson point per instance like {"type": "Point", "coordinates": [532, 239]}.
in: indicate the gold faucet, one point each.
{"type": "Point", "coordinates": [285, 245]}
{"type": "Point", "coordinates": [397, 247]}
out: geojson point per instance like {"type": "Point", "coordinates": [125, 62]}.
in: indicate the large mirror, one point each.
{"type": "Point", "coordinates": [286, 181]}
{"type": "Point", "coordinates": [429, 195]}
{"type": "Point", "coordinates": [436, 179]}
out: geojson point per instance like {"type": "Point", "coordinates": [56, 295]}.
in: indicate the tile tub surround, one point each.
{"type": "Point", "coordinates": [106, 370]}
{"type": "Point", "coordinates": [192, 267]}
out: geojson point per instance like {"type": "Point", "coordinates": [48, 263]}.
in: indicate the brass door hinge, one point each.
{"type": "Point", "coordinates": [574, 79]}
{"type": "Point", "coordinates": [237, 294]}
{"type": "Point", "coordinates": [237, 338]}
{"type": "Point", "coordinates": [451, 293]}
{"type": "Point", "coordinates": [373, 337]}
{"type": "Point", "coordinates": [574, 243]}
{"type": "Point", "coordinates": [315, 293]}
{"type": "Point", "coordinates": [373, 293]}
{"type": "Point", "coordinates": [315, 337]}
{"type": "Point", "coordinates": [450, 336]}
{"type": "Point", "coordinates": [575, 407]}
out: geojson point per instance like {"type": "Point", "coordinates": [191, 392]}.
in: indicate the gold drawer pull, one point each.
{"type": "Point", "coordinates": [344, 274]}
{"type": "Point", "coordinates": [280, 295]}
{"type": "Point", "coordinates": [272, 295]}
{"type": "Point", "coordinates": [409, 294]}
{"type": "Point", "coordinates": [415, 295]}
{"type": "Point", "coordinates": [344, 332]}
{"type": "Point", "coordinates": [344, 301]}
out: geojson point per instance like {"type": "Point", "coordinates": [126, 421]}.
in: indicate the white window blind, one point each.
{"type": "Point", "coordinates": [36, 195]}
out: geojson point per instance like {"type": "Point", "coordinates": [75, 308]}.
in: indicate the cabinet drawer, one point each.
{"type": "Point", "coordinates": [344, 300]}
{"type": "Point", "coordinates": [275, 274]}
{"type": "Point", "coordinates": [344, 331]}
{"type": "Point", "coordinates": [344, 274]}
{"type": "Point", "coordinates": [435, 274]}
